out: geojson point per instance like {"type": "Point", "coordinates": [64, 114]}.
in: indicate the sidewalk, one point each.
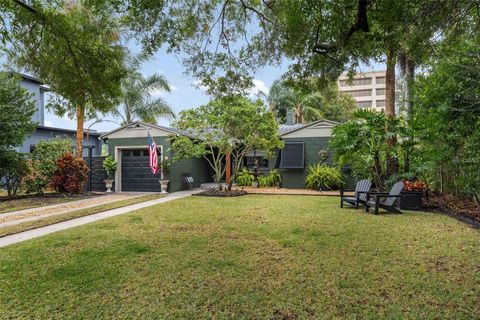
{"type": "Point", "coordinates": [35, 233]}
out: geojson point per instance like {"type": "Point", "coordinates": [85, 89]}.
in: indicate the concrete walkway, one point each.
{"type": "Point", "coordinates": [35, 233]}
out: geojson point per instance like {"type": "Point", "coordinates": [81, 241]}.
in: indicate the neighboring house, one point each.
{"type": "Point", "coordinates": [367, 89]}
{"type": "Point", "coordinates": [92, 145]}
{"type": "Point", "coordinates": [305, 144]}
{"type": "Point", "coordinates": [128, 145]}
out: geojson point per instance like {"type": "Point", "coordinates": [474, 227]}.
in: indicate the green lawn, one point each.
{"type": "Point", "coordinates": [252, 257]}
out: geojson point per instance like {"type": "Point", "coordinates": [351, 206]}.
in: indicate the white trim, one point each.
{"type": "Point", "coordinates": [118, 157]}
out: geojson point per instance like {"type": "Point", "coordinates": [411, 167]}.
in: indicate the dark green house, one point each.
{"type": "Point", "coordinates": [305, 144]}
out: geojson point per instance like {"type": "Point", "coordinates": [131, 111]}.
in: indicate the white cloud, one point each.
{"type": "Point", "coordinates": [162, 93]}
{"type": "Point", "coordinates": [258, 86]}
{"type": "Point", "coordinates": [198, 85]}
{"type": "Point", "coordinates": [48, 123]}
{"type": "Point", "coordinates": [173, 88]}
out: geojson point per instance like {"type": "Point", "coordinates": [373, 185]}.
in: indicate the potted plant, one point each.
{"type": "Point", "coordinates": [412, 195]}
{"type": "Point", "coordinates": [164, 169]}
{"type": "Point", "coordinates": [110, 165]}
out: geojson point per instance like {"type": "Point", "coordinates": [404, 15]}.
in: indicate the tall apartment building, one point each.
{"type": "Point", "coordinates": [368, 89]}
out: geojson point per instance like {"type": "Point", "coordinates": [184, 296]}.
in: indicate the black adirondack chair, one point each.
{"type": "Point", "coordinates": [360, 195]}
{"type": "Point", "coordinates": [385, 201]}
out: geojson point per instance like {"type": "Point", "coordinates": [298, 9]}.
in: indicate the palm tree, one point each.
{"type": "Point", "coordinates": [282, 97]}
{"type": "Point", "coordinates": [141, 101]}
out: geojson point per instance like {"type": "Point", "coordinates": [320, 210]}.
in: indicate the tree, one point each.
{"type": "Point", "coordinates": [16, 111]}
{"type": "Point", "coordinates": [74, 48]}
{"type": "Point", "coordinates": [230, 125]}
{"type": "Point", "coordinates": [360, 143]}
{"type": "Point", "coordinates": [310, 102]}
{"type": "Point", "coordinates": [140, 101]}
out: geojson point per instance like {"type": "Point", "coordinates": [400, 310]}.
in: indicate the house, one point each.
{"type": "Point", "coordinates": [92, 145]}
{"type": "Point", "coordinates": [128, 145]}
{"type": "Point", "coordinates": [304, 144]}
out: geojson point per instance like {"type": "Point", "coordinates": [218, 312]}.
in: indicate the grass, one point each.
{"type": "Point", "coordinates": [34, 202]}
{"type": "Point", "coordinates": [252, 257]}
{"type": "Point", "coordinates": [12, 229]}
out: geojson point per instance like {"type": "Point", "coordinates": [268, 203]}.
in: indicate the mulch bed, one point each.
{"type": "Point", "coordinates": [218, 193]}
{"type": "Point", "coordinates": [461, 208]}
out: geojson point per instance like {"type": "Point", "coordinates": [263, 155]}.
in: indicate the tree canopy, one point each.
{"type": "Point", "coordinates": [72, 46]}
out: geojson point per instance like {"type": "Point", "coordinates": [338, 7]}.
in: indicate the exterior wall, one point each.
{"type": "Point", "coordinates": [377, 99]}
{"type": "Point", "coordinates": [197, 168]}
{"type": "Point", "coordinates": [51, 133]}
{"type": "Point", "coordinates": [295, 178]}
{"type": "Point", "coordinates": [38, 96]}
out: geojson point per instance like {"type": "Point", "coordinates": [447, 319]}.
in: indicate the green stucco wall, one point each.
{"type": "Point", "coordinates": [196, 167]}
{"type": "Point", "coordinates": [295, 178]}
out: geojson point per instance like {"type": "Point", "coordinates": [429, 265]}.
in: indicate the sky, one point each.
{"type": "Point", "coordinates": [184, 94]}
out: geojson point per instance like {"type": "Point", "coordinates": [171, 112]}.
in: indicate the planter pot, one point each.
{"type": "Point", "coordinates": [411, 200]}
{"type": "Point", "coordinates": [108, 184]}
{"type": "Point", "coordinates": [164, 185]}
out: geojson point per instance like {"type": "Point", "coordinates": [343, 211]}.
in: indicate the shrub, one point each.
{"type": "Point", "coordinates": [244, 177]}
{"type": "Point", "coordinates": [110, 165]}
{"type": "Point", "coordinates": [414, 185]}
{"type": "Point", "coordinates": [323, 177]}
{"type": "Point", "coordinates": [273, 179]}
{"type": "Point", "coordinates": [13, 168]}
{"type": "Point", "coordinates": [44, 162]}
{"type": "Point", "coordinates": [70, 174]}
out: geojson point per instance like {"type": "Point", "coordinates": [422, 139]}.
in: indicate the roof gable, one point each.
{"type": "Point", "coordinates": [320, 128]}
{"type": "Point", "coordinates": [139, 130]}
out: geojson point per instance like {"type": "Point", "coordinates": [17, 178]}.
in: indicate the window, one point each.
{"type": "Point", "coordinates": [360, 93]}
{"type": "Point", "coordinates": [292, 156]}
{"type": "Point", "coordinates": [380, 103]}
{"type": "Point", "coordinates": [259, 161]}
{"type": "Point", "coordinates": [380, 91]}
{"type": "Point", "coordinates": [364, 104]}
{"type": "Point", "coordinates": [380, 80]}
{"type": "Point", "coordinates": [32, 148]}
{"type": "Point", "coordinates": [355, 82]}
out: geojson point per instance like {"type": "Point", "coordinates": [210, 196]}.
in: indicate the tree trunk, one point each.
{"type": "Point", "coordinates": [392, 162]}
{"type": "Point", "coordinates": [79, 135]}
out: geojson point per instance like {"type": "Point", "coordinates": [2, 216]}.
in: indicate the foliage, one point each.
{"type": "Point", "coordinates": [244, 177]}
{"type": "Point", "coordinates": [110, 165]}
{"type": "Point", "coordinates": [13, 168]}
{"type": "Point", "coordinates": [447, 118]}
{"type": "Point", "coordinates": [273, 179]}
{"type": "Point", "coordinates": [323, 177]}
{"type": "Point", "coordinates": [310, 102]}
{"type": "Point", "coordinates": [70, 174]}
{"type": "Point", "coordinates": [16, 111]}
{"type": "Point", "coordinates": [360, 143]}
{"type": "Point", "coordinates": [141, 100]}
{"type": "Point", "coordinates": [74, 48]}
{"type": "Point", "coordinates": [231, 124]}
{"type": "Point", "coordinates": [44, 163]}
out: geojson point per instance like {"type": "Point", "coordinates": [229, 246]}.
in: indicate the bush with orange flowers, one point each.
{"type": "Point", "coordinates": [414, 185]}
{"type": "Point", "coordinates": [70, 174]}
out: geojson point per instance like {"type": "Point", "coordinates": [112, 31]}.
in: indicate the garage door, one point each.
{"type": "Point", "coordinates": [136, 174]}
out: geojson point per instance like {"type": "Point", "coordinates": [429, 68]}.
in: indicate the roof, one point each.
{"type": "Point", "coordinates": [284, 129]}
{"type": "Point", "coordinates": [90, 132]}
{"type": "Point", "coordinates": [139, 123]}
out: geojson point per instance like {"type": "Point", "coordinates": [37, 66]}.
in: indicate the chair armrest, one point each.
{"type": "Point", "coordinates": [375, 193]}
{"type": "Point", "coordinates": [347, 190]}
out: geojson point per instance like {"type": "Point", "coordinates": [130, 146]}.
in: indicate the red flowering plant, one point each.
{"type": "Point", "coordinates": [414, 186]}
{"type": "Point", "coordinates": [70, 174]}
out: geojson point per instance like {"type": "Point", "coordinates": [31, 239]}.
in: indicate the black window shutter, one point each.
{"type": "Point", "coordinates": [293, 156]}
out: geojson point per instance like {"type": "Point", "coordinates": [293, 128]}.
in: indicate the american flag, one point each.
{"type": "Point", "coordinates": [153, 157]}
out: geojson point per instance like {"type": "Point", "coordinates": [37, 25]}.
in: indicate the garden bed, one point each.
{"type": "Point", "coordinates": [220, 193]}
{"type": "Point", "coordinates": [286, 191]}
{"type": "Point", "coordinates": [463, 209]}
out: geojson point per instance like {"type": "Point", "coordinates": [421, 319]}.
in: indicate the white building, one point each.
{"type": "Point", "coordinates": [368, 89]}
